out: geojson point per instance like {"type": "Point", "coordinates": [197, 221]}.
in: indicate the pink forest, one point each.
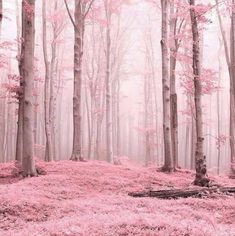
{"type": "Point", "coordinates": [117, 117]}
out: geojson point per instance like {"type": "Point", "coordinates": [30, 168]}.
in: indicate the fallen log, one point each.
{"type": "Point", "coordinates": [182, 193]}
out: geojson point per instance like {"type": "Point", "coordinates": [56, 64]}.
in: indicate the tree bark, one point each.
{"type": "Point", "coordinates": [182, 193]}
{"type": "Point", "coordinates": [200, 160]}
{"type": "Point", "coordinates": [173, 94]}
{"type": "Point", "coordinates": [218, 111]}
{"type": "Point", "coordinates": [2, 103]}
{"type": "Point", "coordinates": [232, 91]}
{"type": "Point", "coordinates": [147, 95]}
{"type": "Point", "coordinates": [1, 16]}
{"type": "Point", "coordinates": [19, 138]}
{"type": "Point", "coordinates": [78, 56]}
{"type": "Point", "coordinates": [118, 118]}
{"type": "Point", "coordinates": [109, 128]}
{"type": "Point", "coordinates": [230, 59]}
{"type": "Point", "coordinates": [49, 155]}
{"type": "Point", "coordinates": [28, 34]}
{"type": "Point", "coordinates": [168, 164]}
{"type": "Point", "coordinates": [53, 77]}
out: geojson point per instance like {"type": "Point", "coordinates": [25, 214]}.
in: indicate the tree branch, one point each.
{"type": "Point", "coordinates": [88, 9]}
{"type": "Point", "coordinates": [69, 13]}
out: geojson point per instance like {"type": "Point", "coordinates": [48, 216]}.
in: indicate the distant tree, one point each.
{"type": "Point", "coordinates": [200, 159]}
{"type": "Point", "coordinates": [1, 16]}
{"type": "Point", "coordinates": [232, 89]}
{"type": "Point", "coordinates": [230, 60]}
{"type": "Point", "coordinates": [19, 138]}
{"type": "Point", "coordinates": [49, 152]}
{"type": "Point", "coordinates": [177, 25]}
{"type": "Point", "coordinates": [109, 127]}
{"type": "Point", "coordinates": [2, 107]}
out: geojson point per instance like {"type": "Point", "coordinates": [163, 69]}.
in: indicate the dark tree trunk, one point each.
{"type": "Point", "coordinates": [200, 160]}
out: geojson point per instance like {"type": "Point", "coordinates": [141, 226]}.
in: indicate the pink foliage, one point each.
{"type": "Point", "coordinates": [208, 80]}
{"type": "Point", "coordinates": [221, 140]}
{"type": "Point", "coordinates": [92, 199]}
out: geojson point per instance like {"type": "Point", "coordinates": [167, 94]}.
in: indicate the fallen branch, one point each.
{"type": "Point", "coordinates": [181, 193]}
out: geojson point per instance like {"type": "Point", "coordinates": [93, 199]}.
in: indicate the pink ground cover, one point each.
{"type": "Point", "coordinates": [91, 199]}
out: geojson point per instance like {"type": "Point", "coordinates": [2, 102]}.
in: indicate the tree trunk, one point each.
{"type": "Point", "coordinates": [230, 60]}
{"type": "Point", "coordinates": [28, 34]}
{"type": "Point", "coordinates": [200, 160]}
{"type": "Point", "coordinates": [232, 91]}
{"type": "Point", "coordinates": [173, 94]}
{"type": "Point", "coordinates": [218, 113]}
{"type": "Point", "coordinates": [168, 165]}
{"type": "Point", "coordinates": [182, 193]}
{"type": "Point", "coordinates": [53, 77]}
{"type": "Point", "coordinates": [193, 139]}
{"type": "Point", "coordinates": [1, 16]}
{"type": "Point", "coordinates": [186, 150]}
{"type": "Point", "coordinates": [118, 118]}
{"type": "Point", "coordinates": [19, 138]}
{"type": "Point", "coordinates": [147, 95]}
{"type": "Point", "coordinates": [77, 108]}
{"type": "Point", "coordinates": [2, 103]}
{"type": "Point", "coordinates": [49, 146]}
{"type": "Point", "coordinates": [89, 120]}
{"type": "Point", "coordinates": [109, 130]}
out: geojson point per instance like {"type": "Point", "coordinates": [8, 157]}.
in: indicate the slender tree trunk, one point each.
{"type": "Point", "coordinates": [173, 94]}
{"type": "Point", "coordinates": [28, 34]}
{"type": "Point", "coordinates": [68, 131]}
{"type": "Point", "coordinates": [200, 160]}
{"type": "Point", "coordinates": [89, 130]}
{"type": "Point", "coordinates": [193, 141]}
{"type": "Point", "coordinates": [1, 16]}
{"type": "Point", "coordinates": [49, 145]}
{"type": "Point", "coordinates": [232, 90]}
{"type": "Point", "coordinates": [19, 137]}
{"type": "Point", "coordinates": [53, 77]}
{"type": "Point", "coordinates": [230, 60]}
{"type": "Point", "coordinates": [2, 102]}
{"type": "Point", "coordinates": [109, 130]}
{"type": "Point", "coordinates": [118, 117]}
{"type": "Point", "coordinates": [218, 116]}
{"type": "Point", "coordinates": [2, 129]}
{"type": "Point", "coordinates": [155, 94]}
{"type": "Point", "coordinates": [130, 136]}
{"type": "Point", "coordinates": [147, 95]}
{"type": "Point", "coordinates": [168, 165]}
{"type": "Point", "coordinates": [186, 151]}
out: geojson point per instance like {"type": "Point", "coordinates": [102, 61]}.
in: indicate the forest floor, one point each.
{"type": "Point", "coordinates": [91, 199]}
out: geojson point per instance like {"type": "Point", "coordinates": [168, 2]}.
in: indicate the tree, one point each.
{"type": "Point", "coordinates": [200, 160]}
{"type": "Point", "coordinates": [173, 94]}
{"type": "Point", "coordinates": [1, 16]}
{"type": "Point", "coordinates": [232, 90]}
{"type": "Point", "coordinates": [82, 8]}
{"type": "Point", "coordinates": [168, 165]}
{"type": "Point", "coordinates": [49, 154]}
{"type": "Point", "coordinates": [2, 103]}
{"type": "Point", "coordinates": [19, 138]}
{"type": "Point", "coordinates": [109, 127]}
{"type": "Point", "coordinates": [27, 65]}
{"type": "Point", "coordinates": [230, 60]}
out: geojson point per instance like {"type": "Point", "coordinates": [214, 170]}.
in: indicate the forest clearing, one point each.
{"type": "Point", "coordinates": [91, 198]}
